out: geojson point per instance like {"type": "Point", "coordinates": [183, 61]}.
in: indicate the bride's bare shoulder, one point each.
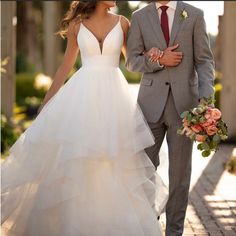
{"type": "Point", "coordinates": [125, 23]}
{"type": "Point", "coordinates": [74, 27]}
{"type": "Point", "coordinates": [124, 20]}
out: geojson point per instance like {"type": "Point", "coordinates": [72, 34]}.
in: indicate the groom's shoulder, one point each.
{"type": "Point", "coordinates": [191, 9]}
{"type": "Point", "coordinates": [142, 11]}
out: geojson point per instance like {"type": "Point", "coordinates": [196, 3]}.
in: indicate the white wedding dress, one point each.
{"type": "Point", "coordinates": [80, 169]}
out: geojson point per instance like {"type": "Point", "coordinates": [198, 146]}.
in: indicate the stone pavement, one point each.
{"type": "Point", "coordinates": [212, 201]}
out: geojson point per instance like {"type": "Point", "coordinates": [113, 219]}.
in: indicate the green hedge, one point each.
{"type": "Point", "coordinates": [8, 135]}
{"type": "Point", "coordinates": [22, 64]}
{"type": "Point", "coordinates": [130, 76]}
{"type": "Point", "coordinates": [25, 88]}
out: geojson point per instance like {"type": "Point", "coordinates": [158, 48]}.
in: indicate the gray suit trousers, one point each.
{"type": "Point", "coordinates": [180, 155]}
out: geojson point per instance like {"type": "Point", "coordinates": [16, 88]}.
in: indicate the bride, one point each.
{"type": "Point", "coordinates": [80, 169]}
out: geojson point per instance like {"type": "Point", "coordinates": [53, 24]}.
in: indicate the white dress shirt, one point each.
{"type": "Point", "coordinates": [170, 12]}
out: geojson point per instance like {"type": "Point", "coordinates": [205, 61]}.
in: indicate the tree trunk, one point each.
{"type": "Point", "coordinates": [52, 42]}
{"type": "Point", "coordinates": [28, 33]}
{"type": "Point", "coordinates": [228, 47]}
{"type": "Point", "coordinates": [8, 46]}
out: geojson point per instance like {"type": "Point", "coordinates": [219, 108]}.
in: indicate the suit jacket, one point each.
{"type": "Point", "coordinates": [191, 80]}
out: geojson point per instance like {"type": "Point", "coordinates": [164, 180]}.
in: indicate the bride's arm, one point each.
{"type": "Point", "coordinates": [125, 27]}
{"type": "Point", "coordinates": [69, 59]}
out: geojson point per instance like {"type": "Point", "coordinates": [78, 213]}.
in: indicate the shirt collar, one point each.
{"type": "Point", "coordinates": [170, 4]}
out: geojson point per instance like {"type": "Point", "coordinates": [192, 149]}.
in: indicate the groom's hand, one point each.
{"type": "Point", "coordinates": [171, 58]}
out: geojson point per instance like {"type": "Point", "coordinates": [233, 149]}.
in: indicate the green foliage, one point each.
{"type": "Point", "coordinates": [189, 117]}
{"type": "Point", "coordinates": [231, 165]}
{"type": "Point", "coordinates": [218, 89]}
{"type": "Point", "coordinates": [205, 146]}
{"type": "Point", "coordinates": [25, 88]}
{"type": "Point", "coordinates": [78, 63]}
{"type": "Point", "coordinates": [23, 65]}
{"type": "Point", "coordinates": [130, 76]}
{"type": "Point", "coordinates": [216, 138]}
{"type": "Point", "coordinates": [206, 153]}
{"type": "Point", "coordinates": [9, 136]}
{"type": "Point", "coordinates": [184, 114]}
{"type": "Point", "coordinates": [31, 106]}
{"type": "Point", "coordinates": [200, 146]}
{"type": "Point", "coordinates": [124, 9]}
{"type": "Point", "coordinates": [4, 62]}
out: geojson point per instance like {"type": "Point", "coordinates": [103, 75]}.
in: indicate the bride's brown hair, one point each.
{"type": "Point", "coordinates": [78, 11]}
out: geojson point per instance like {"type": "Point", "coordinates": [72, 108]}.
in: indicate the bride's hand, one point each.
{"type": "Point", "coordinates": [153, 53]}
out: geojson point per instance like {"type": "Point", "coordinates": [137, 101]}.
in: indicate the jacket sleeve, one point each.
{"type": "Point", "coordinates": [203, 58]}
{"type": "Point", "coordinates": [136, 60]}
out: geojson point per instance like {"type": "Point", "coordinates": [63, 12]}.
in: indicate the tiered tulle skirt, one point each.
{"type": "Point", "coordinates": [80, 169]}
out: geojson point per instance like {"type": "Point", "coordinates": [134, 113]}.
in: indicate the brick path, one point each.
{"type": "Point", "coordinates": [212, 202]}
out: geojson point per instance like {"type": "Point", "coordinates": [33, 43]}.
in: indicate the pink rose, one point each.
{"type": "Point", "coordinates": [208, 123]}
{"type": "Point", "coordinates": [213, 113]}
{"type": "Point", "coordinates": [211, 130]}
{"type": "Point", "coordinates": [208, 114]}
{"type": "Point", "coordinates": [200, 138]}
{"type": "Point", "coordinates": [196, 128]}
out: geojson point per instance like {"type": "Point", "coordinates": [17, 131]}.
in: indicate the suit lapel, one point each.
{"type": "Point", "coordinates": [155, 21]}
{"type": "Point", "coordinates": [177, 23]}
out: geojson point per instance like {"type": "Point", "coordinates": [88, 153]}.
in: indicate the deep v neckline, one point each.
{"type": "Point", "coordinates": [103, 41]}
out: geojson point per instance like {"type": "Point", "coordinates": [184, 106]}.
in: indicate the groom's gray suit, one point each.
{"type": "Point", "coordinates": [166, 92]}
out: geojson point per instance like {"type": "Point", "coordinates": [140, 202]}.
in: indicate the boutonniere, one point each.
{"type": "Point", "coordinates": [184, 14]}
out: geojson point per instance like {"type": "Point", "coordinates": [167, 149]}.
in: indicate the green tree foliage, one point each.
{"type": "Point", "coordinates": [124, 9]}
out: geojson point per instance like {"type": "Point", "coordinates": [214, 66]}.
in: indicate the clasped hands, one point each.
{"type": "Point", "coordinates": [168, 57]}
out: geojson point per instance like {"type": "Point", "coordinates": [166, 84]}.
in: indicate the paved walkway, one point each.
{"type": "Point", "coordinates": [212, 202]}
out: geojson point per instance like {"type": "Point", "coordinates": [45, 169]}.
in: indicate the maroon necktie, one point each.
{"type": "Point", "coordinates": [164, 23]}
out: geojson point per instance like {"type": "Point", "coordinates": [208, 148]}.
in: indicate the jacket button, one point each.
{"type": "Point", "coordinates": [167, 83]}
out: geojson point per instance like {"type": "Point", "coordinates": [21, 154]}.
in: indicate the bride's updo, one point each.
{"type": "Point", "coordinates": [78, 11]}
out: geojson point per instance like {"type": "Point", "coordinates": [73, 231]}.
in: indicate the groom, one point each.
{"type": "Point", "coordinates": [175, 78]}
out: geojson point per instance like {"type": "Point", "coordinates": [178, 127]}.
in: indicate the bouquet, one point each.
{"type": "Point", "coordinates": [204, 124]}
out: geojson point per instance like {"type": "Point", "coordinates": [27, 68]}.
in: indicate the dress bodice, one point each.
{"type": "Point", "coordinates": [93, 55]}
